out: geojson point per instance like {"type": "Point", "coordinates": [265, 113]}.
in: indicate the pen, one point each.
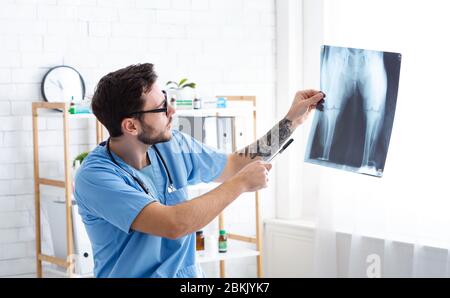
{"type": "Point", "coordinates": [282, 149]}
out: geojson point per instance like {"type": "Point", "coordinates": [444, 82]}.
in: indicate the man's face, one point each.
{"type": "Point", "coordinates": [155, 127]}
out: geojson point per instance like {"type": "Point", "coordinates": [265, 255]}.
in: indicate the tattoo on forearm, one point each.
{"type": "Point", "coordinates": [269, 144]}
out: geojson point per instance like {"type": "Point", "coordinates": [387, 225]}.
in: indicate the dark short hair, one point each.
{"type": "Point", "coordinates": [119, 93]}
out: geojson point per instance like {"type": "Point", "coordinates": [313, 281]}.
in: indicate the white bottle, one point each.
{"type": "Point", "coordinates": [173, 101]}
{"type": "Point", "coordinates": [197, 103]}
{"type": "Point", "coordinates": [210, 245]}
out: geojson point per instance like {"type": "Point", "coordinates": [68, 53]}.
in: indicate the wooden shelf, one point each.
{"type": "Point", "coordinates": [55, 273]}
{"type": "Point", "coordinates": [57, 114]}
{"type": "Point", "coordinates": [232, 253]}
{"type": "Point", "coordinates": [239, 106]}
{"type": "Point", "coordinates": [180, 112]}
{"type": "Point", "coordinates": [203, 186]}
{"type": "Point", "coordinates": [214, 112]}
{"type": "Point", "coordinates": [46, 109]}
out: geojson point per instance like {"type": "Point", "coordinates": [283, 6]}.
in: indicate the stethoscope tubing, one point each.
{"type": "Point", "coordinates": [137, 179]}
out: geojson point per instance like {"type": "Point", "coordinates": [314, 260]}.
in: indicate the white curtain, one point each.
{"type": "Point", "coordinates": [398, 225]}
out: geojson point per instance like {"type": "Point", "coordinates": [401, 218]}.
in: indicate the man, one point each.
{"type": "Point", "coordinates": [131, 190]}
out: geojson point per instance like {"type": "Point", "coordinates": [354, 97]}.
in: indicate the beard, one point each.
{"type": "Point", "coordinates": [151, 136]}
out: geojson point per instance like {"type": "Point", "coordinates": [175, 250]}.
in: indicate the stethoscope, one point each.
{"type": "Point", "coordinates": [171, 188]}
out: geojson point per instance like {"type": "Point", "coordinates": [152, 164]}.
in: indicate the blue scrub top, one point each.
{"type": "Point", "coordinates": [109, 200]}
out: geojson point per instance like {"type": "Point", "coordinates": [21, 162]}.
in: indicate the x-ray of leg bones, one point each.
{"type": "Point", "coordinates": [352, 130]}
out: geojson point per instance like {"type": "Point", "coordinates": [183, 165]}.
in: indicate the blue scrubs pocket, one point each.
{"type": "Point", "coordinates": [193, 271]}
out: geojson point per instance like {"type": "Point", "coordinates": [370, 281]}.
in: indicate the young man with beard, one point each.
{"type": "Point", "coordinates": [131, 189]}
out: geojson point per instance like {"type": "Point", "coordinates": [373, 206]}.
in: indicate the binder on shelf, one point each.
{"type": "Point", "coordinates": [225, 137]}
{"type": "Point", "coordinates": [56, 213]}
{"type": "Point", "coordinates": [203, 129]}
{"type": "Point", "coordinates": [210, 132]}
{"type": "Point", "coordinates": [84, 258]}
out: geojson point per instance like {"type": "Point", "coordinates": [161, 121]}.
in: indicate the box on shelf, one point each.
{"type": "Point", "coordinates": [184, 104]}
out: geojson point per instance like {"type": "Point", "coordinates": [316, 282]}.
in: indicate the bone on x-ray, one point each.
{"type": "Point", "coordinates": [352, 130]}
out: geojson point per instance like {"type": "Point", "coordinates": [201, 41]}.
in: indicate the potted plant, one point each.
{"type": "Point", "coordinates": [79, 159]}
{"type": "Point", "coordinates": [183, 91]}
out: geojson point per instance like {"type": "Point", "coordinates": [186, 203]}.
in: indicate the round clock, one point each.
{"type": "Point", "coordinates": [63, 84]}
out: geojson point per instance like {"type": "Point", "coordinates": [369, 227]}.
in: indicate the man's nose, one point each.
{"type": "Point", "coordinates": [170, 110]}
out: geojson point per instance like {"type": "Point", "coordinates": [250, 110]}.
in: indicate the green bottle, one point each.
{"type": "Point", "coordinates": [223, 245]}
{"type": "Point", "coordinates": [72, 108]}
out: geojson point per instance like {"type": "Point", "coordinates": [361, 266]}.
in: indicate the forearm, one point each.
{"type": "Point", "coordinates": [265, 147]}
{"type": "Point", "coordinates": [197, 213]}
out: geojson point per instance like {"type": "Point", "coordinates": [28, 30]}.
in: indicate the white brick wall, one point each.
{"type": "Point", "coordinates": [225, 46]}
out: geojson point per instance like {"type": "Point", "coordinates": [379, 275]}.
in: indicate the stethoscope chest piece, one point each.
{"type": "Point", "coordinates": [171, 188]}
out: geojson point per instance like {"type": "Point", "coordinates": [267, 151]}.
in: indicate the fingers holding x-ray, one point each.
{"type": "Point", "coordinates": [351, 128]}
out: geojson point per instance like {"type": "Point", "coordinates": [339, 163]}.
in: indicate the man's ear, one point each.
{"type": "Point", "coordinates": [130, 126]}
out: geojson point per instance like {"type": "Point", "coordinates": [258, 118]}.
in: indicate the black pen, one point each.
{"type": "Point", "coordinates": [282, 149]}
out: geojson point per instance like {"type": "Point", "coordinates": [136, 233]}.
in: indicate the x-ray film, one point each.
{"type": "Point", "coordinates": [351, 130]}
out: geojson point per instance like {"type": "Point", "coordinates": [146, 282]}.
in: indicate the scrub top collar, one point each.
{"type": "Point", "coordinates": [120, 162]}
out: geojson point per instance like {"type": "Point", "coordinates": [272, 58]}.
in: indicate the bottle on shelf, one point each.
{"type": "Point", "coordinates": [197, 103]}
{"type": "Point", "coordinates": [222, 102]}
{"type": "Point", "coordinates": [200, 241]}
{"type": "Point", "coordinates": [82, 107]}
{"type": "Point", "coordinates": [223, 243]}
{"type": "Point", "coordinates": [72, 108]}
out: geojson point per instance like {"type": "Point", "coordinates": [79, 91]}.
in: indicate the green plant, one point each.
{"type": "Point", "coordinates": [80, 157]}
{"type": "Point", "coordinates": [180, 85]}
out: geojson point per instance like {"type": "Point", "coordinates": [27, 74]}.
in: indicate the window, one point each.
{"type": "Point", "coordinates": [412, 200]}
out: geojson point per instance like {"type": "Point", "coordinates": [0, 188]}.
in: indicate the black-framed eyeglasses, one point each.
{"type": "Point", "coordinates": [160, 110]}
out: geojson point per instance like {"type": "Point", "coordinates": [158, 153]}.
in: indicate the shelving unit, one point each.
{"type": "Point", "coordinates": [66, 184]}
{"type": "Point", "coordinates": [47, 110]}
{"type": "Point", "coordinates": [234, 111]}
